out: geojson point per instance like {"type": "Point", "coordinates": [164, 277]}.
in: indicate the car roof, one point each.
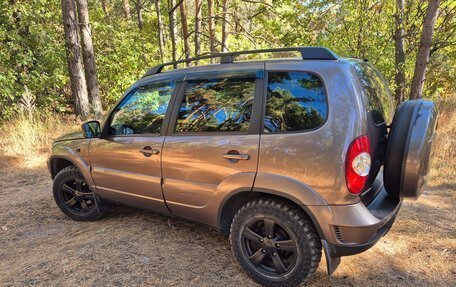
{"type": "Point", "coordinates": [236, 66]}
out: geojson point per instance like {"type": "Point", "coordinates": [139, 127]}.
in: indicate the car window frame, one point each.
{"type": "Point", "coordinates": [254, 124]}
{"type": "Point", "coordinates": [265, 99]}
{"type": "Point", "coordinates": [106, 132]}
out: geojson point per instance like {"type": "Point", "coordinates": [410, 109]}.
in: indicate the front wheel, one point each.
{"type": "Point", "coordinates": [74, 197]}
{"type": "Point", "coordinates": [275, 242]}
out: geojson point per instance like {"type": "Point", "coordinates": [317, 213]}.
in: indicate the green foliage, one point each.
{"type": "Point", "coordinates": [31, 54]}
{"type": "Point", "coordinates": [32, 50]}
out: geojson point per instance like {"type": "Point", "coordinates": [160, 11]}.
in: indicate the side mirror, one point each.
{"type": "Point", "coordinates": [91, 129]}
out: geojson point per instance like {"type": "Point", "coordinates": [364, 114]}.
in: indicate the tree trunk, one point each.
{"type": "Point", "coordinates": [210, 11]}
{"type": "Point", "coordinates": [105, 7]}
{"type": "Point", "coordinates": [89, 58]}
{"type": "Point", "coordinates": [236, 20]}
{"type": "Point", "coordinates": [160, 30]}
{"type": "Point", "coordinates": [197, 28]}
{"type": "Point", "coordinates": [77, 80]}
{"type": "Point", "coordinates": [139, 7]}
{"type": "Point", "coordinates": [422, 57]}
{"type": "Point", "coordinates": [183, 13]}
{"type": "Point", "coordinates": [225, 25]}
{"type": "Point", "coordinates": [126, 9]}
{"type": "Point", "coordinates": [172, 28]}
{"type": "Point", "coordinates": [400, 52]}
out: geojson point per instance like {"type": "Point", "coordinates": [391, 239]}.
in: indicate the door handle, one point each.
{"type": "Point", "coordinates": [148, 151]}
{"type": "Point", "coordinates": [236, 157]}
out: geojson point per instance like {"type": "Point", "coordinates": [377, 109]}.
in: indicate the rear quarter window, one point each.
{"type": "Point", "coordinates": [296, 101]}
{"type": "Point", "coordinates": [380, 104]}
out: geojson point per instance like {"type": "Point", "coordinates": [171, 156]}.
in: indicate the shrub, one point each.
{"type": "Point", "coordinates": [30, 133]}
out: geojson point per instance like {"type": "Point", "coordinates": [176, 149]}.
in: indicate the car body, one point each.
{"type": "Point", "coordinates": [207, 176]}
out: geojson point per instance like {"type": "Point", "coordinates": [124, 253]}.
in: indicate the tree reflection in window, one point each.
{"type": "Point", "coordinates": [379, 97]}
{"type": "Point", "coordinates": [217, 105]}
{"type": "Point", "coordinates": [295, 101]}
{"type": "Point", "coordinates": [143, 110]}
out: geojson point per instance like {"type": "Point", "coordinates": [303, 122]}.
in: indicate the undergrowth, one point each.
{"type": "Point", "coordinates": [30, 134]}
{"type": "Point", "coordinates": [443, 167]}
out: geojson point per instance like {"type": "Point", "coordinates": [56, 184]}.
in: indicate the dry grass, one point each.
{"type": "Point", "coordinates": [31, 134]}
{"type": "Point", "coordinates": [444, 164]}
{"type": "Point", "coordinates": [39, 246]}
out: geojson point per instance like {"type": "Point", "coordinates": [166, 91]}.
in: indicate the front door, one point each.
{"type": "Point", "coordinates": [213, 137]}
{"type": "Point", "coordinates": [126, 163]}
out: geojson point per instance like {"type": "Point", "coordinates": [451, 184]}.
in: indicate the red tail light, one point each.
{"type": "Point", "coordinates": [357, 164]}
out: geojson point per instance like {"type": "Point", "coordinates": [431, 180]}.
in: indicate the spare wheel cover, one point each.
{"type": "Point", "coordinates": [397, 140]}
{"type": "Point", "coordinates": [418, 149]}
{"type": "Point", "coordinates": [409, 148]}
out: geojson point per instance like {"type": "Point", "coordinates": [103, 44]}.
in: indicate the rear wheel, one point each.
{"type": "Point", "coordinates": [275, 242]}
{"type": "Point", "coordinates": [74, 196]}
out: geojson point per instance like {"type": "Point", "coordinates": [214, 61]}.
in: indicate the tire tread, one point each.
{"type": "Point", "coordinates": [300, 222]}
{"type": "Point", "coordinates": [94, 215]}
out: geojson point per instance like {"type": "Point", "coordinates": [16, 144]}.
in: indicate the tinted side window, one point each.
{"type": "Point", "coordinates": [217, 105]}
{"type": "Point", "coordinates": [296, 101]}
{"type": "Point", "coordinates": [377, 92]}
{"type": "Point", "coordinates": [142, 111]}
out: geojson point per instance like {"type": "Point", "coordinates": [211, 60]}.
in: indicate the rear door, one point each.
{"type": "Point", "coordinates": [213, 137]}
{"type": "Point", "coordinates": [380, 111]}
{"type": "Point", "coordinates": [126, 164]}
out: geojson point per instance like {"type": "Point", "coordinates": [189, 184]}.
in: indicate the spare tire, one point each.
{"type": "Point", "coordinates": [409, 148]}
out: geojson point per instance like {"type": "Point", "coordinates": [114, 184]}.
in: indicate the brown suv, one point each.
{"type": "Point", "coordinates": [288, 156]}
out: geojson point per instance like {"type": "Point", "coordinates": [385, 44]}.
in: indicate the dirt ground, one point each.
{"type": "Point", "coordinates": [39, 246]}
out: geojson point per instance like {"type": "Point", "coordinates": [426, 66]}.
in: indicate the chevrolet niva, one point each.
{"type": "Point", "coordinates": [287, 156]}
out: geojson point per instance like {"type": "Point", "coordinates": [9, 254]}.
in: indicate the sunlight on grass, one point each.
{"type": "Point", "coordinates": [30, 135]}
{"type": "Point", "coordinates": [443, 168]}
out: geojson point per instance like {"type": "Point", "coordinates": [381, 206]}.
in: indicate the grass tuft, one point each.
{"type": "Point", "coordinates": [443, 168]}
{"type": "Point", "coordinates": [30, 134]}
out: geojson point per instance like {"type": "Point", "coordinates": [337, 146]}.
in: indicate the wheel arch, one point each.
{"type": "Point", "coordinates": [235, 201]}
{"type": "Point", "coordinates": [60, 161]}
{"type": "Point", "coordinates": [57, 164]}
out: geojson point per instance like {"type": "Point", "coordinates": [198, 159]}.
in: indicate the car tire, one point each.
{"type": "Point", "coordinates": [260, 254]}
{"type": "Point", "coordinates": [409, 148]}
{"type": "Point", "coordinates": [74, 197]}
{"type": "Point", "coordinates": [396, 148]}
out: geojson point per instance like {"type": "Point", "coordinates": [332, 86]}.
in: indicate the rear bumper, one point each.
{"type": "Point", "coordinates": [352, 229]}
{"type": "Point", "coordinates": [352, 249]}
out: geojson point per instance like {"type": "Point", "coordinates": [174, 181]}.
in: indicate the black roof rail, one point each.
{"type": "Point", "coordinates": [307, 53]}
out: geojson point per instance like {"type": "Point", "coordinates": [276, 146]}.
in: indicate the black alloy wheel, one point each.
{"type": "Point", "coordinates": [74, 196]}
{"type": "Point", "coordinates": [275, 242]}
{"type": "Point", "coordinates": [77, 195]}
{"type": "Point", "coordinates": [269, 246]}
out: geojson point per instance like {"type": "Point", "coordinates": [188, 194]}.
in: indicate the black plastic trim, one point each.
{"type": "Point", "coordinates": [307, 53]}
{"type": "Point", "coordinates": [347, 250]}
